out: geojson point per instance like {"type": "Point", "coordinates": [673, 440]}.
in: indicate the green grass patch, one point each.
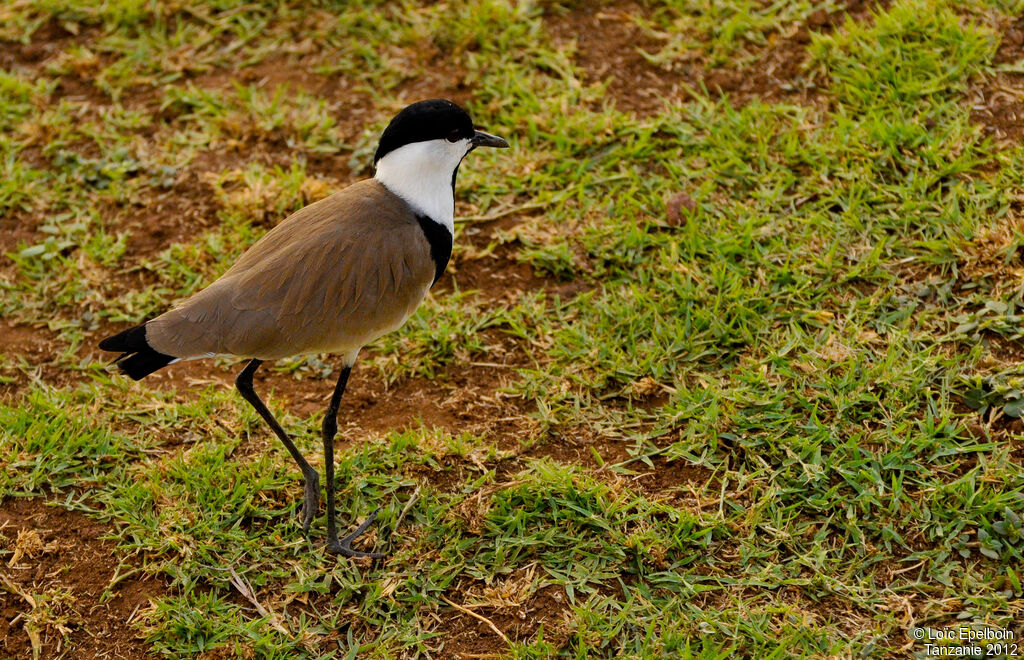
{"type": "Point", "coordinates": [795, 409]}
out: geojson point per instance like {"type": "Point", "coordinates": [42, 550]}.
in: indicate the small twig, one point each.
{"type": "Point", "coordinates": [200, 17]}
{"type": "Point", "coordinates": [501, 213]}
{"type": "Point", "coordinates": [243, 587]}
{"type": "Point", "coordinates": [909, 568]}
{"type": "Point", "coordinates": [479, 617]}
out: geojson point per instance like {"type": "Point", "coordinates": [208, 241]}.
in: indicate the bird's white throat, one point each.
{"type": "Point", "coordinates": [421, 174]}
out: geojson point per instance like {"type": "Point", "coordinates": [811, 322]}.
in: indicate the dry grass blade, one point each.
{"type": "Point", "coordinates": [478, 617]}
{"type": "Point", "coordinates": [15, 589]}
{"type": "Point", "coordinates": [408, 505]}
{"type": "Point", "coordinates": [33, 632]}
{"type": "Point", "coordinates": [28, 544]}
{"type": "Point", "coordinates": [239, 583]}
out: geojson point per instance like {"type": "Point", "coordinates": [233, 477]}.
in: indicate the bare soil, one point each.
{"type": "Point", "coordinates": [609, 44]}
{"type": "Point", "coordinates": [467, 636]}
{"type": "Point", "coordinates": [55, 572]}
{"type": "Point", "coordinates": [997, 101]}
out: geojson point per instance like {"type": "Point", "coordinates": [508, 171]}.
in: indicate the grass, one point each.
{"type": "Point", "coordinates": [782, 428]}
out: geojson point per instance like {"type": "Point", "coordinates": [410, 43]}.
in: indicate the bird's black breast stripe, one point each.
{"type": "Point", "coordinates": [440, 240]}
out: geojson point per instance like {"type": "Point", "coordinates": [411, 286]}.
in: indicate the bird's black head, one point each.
{"type": "Point", "coordinates": [420, 152]}
{"type": "Point", "coordinates": [426, 120]}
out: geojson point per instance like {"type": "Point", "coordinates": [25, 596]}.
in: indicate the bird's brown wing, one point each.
{"type": "Point", "coordinates": [333, 276]}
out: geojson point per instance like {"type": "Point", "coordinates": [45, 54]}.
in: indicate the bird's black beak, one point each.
{"type": "Point", "coordinates": [481, 139]}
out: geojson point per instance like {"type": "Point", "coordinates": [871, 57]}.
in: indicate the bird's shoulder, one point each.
{"type": "Point", "coordinates": [364, 204]}
{"type": "Point", "coordinates": [364, 243]}
{"type": "Point", "coordinates": [362, 216]}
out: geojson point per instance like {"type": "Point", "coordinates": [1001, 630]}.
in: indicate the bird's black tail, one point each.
{"type": "Point", "coordinates": [138, 359]}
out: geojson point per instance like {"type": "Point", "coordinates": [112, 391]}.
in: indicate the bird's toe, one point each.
{"type": "Point", "coordinates": [344, 546]}
{"type": "Point", "coordinates": [345, 549]}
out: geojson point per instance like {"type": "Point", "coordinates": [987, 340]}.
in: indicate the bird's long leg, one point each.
{"type": "Point", "coordinates": [330, 429]}
{"type": "Point", "coordinates": [311, 502]}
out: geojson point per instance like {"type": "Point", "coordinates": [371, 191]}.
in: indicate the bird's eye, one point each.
{"type": "Point", "coordinates": [453, 136]}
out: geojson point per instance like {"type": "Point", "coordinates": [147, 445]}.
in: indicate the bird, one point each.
{"type": "Point", "coordinates": [330, 278]}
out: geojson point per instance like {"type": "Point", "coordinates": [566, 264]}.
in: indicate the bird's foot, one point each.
{"type": "Point", "coordinates": [344, 546]}
{"type": "Point", "coordinates": [311, 501]}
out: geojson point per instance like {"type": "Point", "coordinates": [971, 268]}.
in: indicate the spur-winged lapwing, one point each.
{"type": "Point", "coordinates": [330, 278]}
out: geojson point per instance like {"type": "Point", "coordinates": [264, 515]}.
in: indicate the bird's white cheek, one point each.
{"type": "Point", "coordinates": [421, 173]}
{"type": "Point", "coordinates": [458, 151]}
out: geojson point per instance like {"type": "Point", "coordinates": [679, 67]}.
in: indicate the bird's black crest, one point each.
{"type": "Point", "coordinates": [425, 120]}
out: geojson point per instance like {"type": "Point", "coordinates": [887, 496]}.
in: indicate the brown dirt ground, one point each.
{"type": "Point", "coordinates": [160, 219]}
{"type": "Point", "coordinates": [609, 42]}
{"type": "Point", "coordinates": [63, 551]}
{"type": "Point", "coordinates": [466, 636]}
{"type": "Point", "coordinates": [997, 101]}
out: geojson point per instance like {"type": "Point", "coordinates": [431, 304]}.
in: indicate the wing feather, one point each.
{"type": "Point", "coordinates": [349, 267]}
